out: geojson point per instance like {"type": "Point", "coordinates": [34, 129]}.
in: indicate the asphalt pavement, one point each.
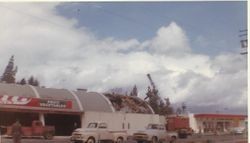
{"type": "Point", "coordinates": [191, 139]}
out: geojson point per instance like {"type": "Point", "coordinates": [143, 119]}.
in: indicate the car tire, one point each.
{"type": "Point", "coordinates": [119, 140]}
{"type": "Point", "coordinates": [154, 140]}
{"type": "Point", "coordinates": [90, 140]}
{"type": "Point", "coordinates": [173, 139]}
{"type": "Point", "coordinates": [48, 136]}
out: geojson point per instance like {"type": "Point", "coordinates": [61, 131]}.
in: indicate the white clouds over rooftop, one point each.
{"type": "Point", "coordinates": [170, 40]}
{"type": "Point", "coordinates": [50, 47]}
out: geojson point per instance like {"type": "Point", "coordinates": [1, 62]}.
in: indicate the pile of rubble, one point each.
{"type": "Point", "coordinates": [128, 104]}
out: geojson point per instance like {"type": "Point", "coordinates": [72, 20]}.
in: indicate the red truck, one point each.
{"type": "Point", "coordinates": [36, 130]}
{"type": "Point", "coordinates": [179, 124]}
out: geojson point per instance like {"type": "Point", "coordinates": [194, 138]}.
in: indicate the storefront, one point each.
{"type": "Point", "coordinates": [211, 123]}
{"type": "Point", "coordinates": [60, 108]}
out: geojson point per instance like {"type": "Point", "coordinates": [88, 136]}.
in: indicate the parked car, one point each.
{"type": "Point", "coordinates": [153, 133]}
{"type": "Point", "coordinates": [95, 132]}
{"type": "Point", "coordinates": [37, 129]}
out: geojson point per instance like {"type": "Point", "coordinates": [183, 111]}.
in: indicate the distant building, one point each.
{"type": "Point", "coordinates": [221, 123]}
{"type": "Point", "coordinates": [207, 123]}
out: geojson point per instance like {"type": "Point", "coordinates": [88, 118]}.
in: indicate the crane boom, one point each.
{"type": "Point", "coordinates": [151, 81]}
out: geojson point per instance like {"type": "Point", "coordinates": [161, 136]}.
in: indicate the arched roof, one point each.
{"type": "Point", "coordinates": [69, 101]}
{"type": "Point", "coordinates": [94, 101]}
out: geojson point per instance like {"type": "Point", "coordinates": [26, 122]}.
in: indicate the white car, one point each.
{"type": "Point", "coordinates": [95, 132]}
{"type": "Point", "coordinates": [153, 133]}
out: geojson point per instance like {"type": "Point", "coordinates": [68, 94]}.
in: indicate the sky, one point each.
{"type": "Point", "coordinates": [191, 49]}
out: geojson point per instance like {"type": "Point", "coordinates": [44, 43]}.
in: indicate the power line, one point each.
{"type": "Point", "coordinates": [121, 16]}
{"type": "Point", "coordinates": [32, 16]}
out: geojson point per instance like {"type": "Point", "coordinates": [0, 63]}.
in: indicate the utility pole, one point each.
{"type": "Point", "coordinates": [243, 41]}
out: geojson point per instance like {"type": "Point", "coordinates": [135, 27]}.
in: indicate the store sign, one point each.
{"type": "Point", "coordinates": [34, 102]}
{"type": "Point", "coordinates": [53, 103]}
{"type": "Point", "coordinates": [14, 100]}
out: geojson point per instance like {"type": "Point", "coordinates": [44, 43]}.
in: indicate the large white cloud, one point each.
{"type": "Point", "coordinates": [50, 47]}
{"type": "Point", "coordinates": [170, 40]}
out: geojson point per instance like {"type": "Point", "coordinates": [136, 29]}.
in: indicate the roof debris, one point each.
{"type": "Point", "coordinates": [128, 104]}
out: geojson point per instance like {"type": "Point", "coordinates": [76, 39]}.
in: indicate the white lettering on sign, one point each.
{"type": "Point", "coordinates": [15, 100]}
{"type": "Point", "coordinates": [52, 104]}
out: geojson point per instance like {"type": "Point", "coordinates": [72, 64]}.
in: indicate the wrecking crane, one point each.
{"type": "Point", "coordinates": [154, 91]}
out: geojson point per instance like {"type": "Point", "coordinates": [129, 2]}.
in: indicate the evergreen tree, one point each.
{"type": "Point", "coordinates": [31, 80]}
{"type": "Point", "coordinates": [134, 91]}
{"type": "Point", "coordinates": [157, 103]}
{"type": "Point", "coordinates": [9, 72]}
{"type": "Point", "coordinates": [183, 107]}
{"type": "Point", "coordinates": [36, 82]}
{"type": "Point", "coordinates": [23, 81]}
{"type": "Point", "coordinates": [154, 99]}
{"type": "Point", "coordinates": [165, 108]}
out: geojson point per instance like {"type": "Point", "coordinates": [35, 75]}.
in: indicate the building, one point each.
{"type": "Point", "coordinates": [61, 108]}
{"type": "Point", "coordinates": [217, 123]}
{"type": "Point", "coordinates": [67, 109]}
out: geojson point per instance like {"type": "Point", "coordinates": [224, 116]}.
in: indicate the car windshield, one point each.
{"type": "Point", "coordinates": [161, 127]}
{"type": "Point", "coordinates": [152, 126]}
{"type": "Point", "coordinates": [102, 125]}
{"type": "Point", "coordinates": [92, 125]}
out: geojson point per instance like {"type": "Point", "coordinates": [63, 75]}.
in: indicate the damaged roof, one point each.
{"type": "Point", "coordinates": [129, 104]}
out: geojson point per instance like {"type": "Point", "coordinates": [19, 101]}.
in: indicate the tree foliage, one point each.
{"type": "Point", "coordinates": [23, 81]}
{"type": "Point", "coordinates": [157, 104]}
{"type": "Point", "coordinates": [9, 72]}
{"type": "Point", "coordinates": [134, 91]}
{"type": "Point", "coordinates": [33, 81]}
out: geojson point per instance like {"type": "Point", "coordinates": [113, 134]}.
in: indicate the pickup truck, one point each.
{"type": "Point", "coordinates": [154, 133]}
{"type": "Point", "coordinates": [36, 130]}
{"type": "Point", "coordinates": [95, 132]}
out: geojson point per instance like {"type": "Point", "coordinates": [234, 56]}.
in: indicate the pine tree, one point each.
{"type": "Point", "coordinates": [23, 81]}
{"type": "Point", "coordinates": [31, 80]}
{"type": "Point", "coordinates": [9, 72]}
{"type": "Point", "coordinates": [157, 103]}
{"type": "Point", "coordinates": [165, 108]}
{"type": "Point", "coordinates": [134, 91]}
{"type": "Point", "coordinates": [36, 82]}
{"type": "Point", "coordinates": [154, 99]}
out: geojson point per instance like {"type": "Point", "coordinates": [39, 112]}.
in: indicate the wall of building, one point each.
{"type": "Point", "coordinates": [217, 125]}
{"type": "Point", "coordinates": [140, 121]}
{"type": "Point", "coordinates": [121, 121]}
{"type": "Point", "coordinates": [193, 123]}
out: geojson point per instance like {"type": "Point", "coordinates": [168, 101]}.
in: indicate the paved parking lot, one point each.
{"type": "Point", "coordinates": [192, 139]}
{"type": "Point", "coordinates": [214, 139]}
{"type": "Point", "coordinates": [39, 140]}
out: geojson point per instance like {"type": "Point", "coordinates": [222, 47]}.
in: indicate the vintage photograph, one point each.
{"type": "Point", "coordinates": [124, 72]}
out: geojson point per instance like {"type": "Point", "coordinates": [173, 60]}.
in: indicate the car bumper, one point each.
{"type": "Point", "coordinates": [77, 140]}
{"type": "Point", "coordinates": [140, 138]}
